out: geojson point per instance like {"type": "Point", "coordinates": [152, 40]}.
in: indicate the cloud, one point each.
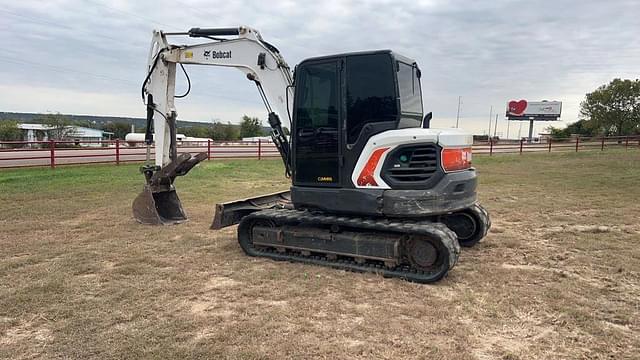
{"type": "Point", "coordinates": [89, 56]}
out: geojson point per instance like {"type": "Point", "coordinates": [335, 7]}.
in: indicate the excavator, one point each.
{"type": "Point", "coordinates": [373, 187]}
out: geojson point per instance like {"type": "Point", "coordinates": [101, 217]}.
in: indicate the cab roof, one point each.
{"type": "Point", "coordinates": [357, 53]}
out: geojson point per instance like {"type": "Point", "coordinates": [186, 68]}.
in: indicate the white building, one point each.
{"type": "Point", "coordinates": [134, 139]}
{"type": "Point", "coordinates": [35, 132]}
{"type": "Point", "coordinates": [79, 134]}
{"type": "Point", "coordinates": [258, 138]}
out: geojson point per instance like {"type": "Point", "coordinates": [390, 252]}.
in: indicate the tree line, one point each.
{"type": "Point", "coordinates": [61, 128]}
{"type": "Point", "coordinates": [612, 109]}
{"type": "Point", "coordinates": [249, 127]}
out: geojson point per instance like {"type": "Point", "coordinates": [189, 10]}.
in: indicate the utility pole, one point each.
{"type": "Point", "coordinates": [458, 115]}
{"type": "Point", "coordinates": [490, 116]}
{"type": "Point", "coordinates": [520, 131]}
{"type": "Point", "coordinates": [495, 127]}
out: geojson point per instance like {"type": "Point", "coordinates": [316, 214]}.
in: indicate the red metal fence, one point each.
{"type": "Point", "coordinates": [556, 145]}
{"type": "Point", "coordinates": [54, 153]}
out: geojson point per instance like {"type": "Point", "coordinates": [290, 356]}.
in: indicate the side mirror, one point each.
{"type": "Point", "coordinates": [426, 122]}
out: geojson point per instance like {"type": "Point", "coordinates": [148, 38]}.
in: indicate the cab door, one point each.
{"type": "Point", "coordinates": [316, 128]}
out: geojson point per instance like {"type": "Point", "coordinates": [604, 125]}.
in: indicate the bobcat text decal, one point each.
{"type": "Point", "coordinates": [208, 54]}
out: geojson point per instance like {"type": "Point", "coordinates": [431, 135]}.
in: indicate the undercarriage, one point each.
{"type": "Point", "coordinates": [412, 250]}
{"type": "Point", "coordinates": [421, 250]}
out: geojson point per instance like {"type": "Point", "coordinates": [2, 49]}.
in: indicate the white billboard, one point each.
{"type": "Point", "coordinates": [533, 110]}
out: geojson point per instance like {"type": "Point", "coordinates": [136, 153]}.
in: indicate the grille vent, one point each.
{"type": "Point", "coordinates": [414, 164]}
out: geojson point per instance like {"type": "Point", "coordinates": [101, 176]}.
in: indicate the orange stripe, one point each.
{"type": "Point", "coordinates": [366, 177]}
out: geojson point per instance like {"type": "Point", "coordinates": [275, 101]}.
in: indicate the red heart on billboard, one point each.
{"type": "Point", "coordinates": [517, 107]}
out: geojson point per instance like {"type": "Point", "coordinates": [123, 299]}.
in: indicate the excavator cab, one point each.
{"type": "Point", "coordinates": [340, 102]}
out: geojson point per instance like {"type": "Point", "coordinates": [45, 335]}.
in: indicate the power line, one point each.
{"type": "Point", "coordinates": [36, 19]}
{"type": "Point", "coordinates": [131, 14]}
{"type": "Point", "coordinates": [193, 10]}
{"type": "Point", "coordinates": [63, 69]}
{"type": "Point", "coordinates": [39, 20]}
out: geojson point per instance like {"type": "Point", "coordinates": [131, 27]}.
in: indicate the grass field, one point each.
{"type": "Point", "coordinates": [557, 277]}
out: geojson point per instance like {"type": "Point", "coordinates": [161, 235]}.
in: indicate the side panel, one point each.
{"type": "Point", "coordinates": [355, 201]}
{"type": "Point", "coordinates": [394, 138]}
{"type": "Point", "coordinates": [389, 139]}
{"type": "Point", "coordinates": [316, 130]}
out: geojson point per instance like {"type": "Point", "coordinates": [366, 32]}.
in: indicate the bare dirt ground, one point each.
{"type": "Point", "coordinates": [557, 277]}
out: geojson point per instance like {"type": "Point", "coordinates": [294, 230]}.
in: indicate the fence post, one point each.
{"type": "Point", "coordinates": [602, 146]}
{"type": "Point", "coordinates": [626, 142]}
{"type": "Point", "coordinates": [208, 149]}
{"type": "Point", "coordinates": [52, 150]}
{"type": "Point", "coordinates": [577, 142]}
{"type": "Point", "coordinates": [259, 149]}
{"type": "Point", "coordinates": [521, 142]}
{"type": "Point", "coordinates": [490, 147]}
{"type": "Point", "coordinates": [549, 144]}
{"type": "Point", "coordinates": [117, 151]}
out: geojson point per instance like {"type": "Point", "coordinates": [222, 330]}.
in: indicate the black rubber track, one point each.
{"type": "Point", "coordinates": [448, 241]}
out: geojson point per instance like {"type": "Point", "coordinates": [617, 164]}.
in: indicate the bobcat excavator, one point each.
{"type": "Point", "coordinates": [373, 188]}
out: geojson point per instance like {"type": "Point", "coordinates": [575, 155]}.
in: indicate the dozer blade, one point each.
{"type": "Point", "coordinates": [230, 213]}
{"type": "Point", "coordinates": [159, 208]}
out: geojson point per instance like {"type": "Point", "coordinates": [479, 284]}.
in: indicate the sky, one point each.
{"type": "Point", "coordinates": [89, 56]}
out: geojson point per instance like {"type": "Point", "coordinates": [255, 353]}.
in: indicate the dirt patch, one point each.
{"type": "Point", "coordinates": [26, 332]}
{"type": "Point", "coordinates": [220, 283]}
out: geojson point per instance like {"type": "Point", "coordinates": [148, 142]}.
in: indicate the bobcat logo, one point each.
{"type": "Point", "coordinates": [211, 54]}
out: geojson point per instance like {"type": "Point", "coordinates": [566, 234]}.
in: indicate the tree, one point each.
{"type": "Point", "coordinates": [60, 126]}
{"type": "Point", "coordinates": [230, 132]}
{"type": "Point", "coordinates": [9, 131]}
{"type": "Point", "coordinates": [119, 129]}
{"type": "Point", "coordinates": [202, 131]}
{"type": "Point", "coordinates": [614, 108]}
{"type": "Point", "coordinates": [250, 127]}
{"type": "Point", "coordinates": [581, 128]}
{"type": "Point", "coordinates": [226, 131]}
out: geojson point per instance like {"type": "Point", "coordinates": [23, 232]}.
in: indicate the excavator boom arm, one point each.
{"type": "Point", "coordinates": [261, 62]}
{"type": "Point", "coordinates": [242, 48]}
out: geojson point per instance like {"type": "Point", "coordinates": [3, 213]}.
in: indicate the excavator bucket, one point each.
{"type": "Point", "coordinates": [159, 208]}
{"type": "Point", "coordinates": [158, 203]}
